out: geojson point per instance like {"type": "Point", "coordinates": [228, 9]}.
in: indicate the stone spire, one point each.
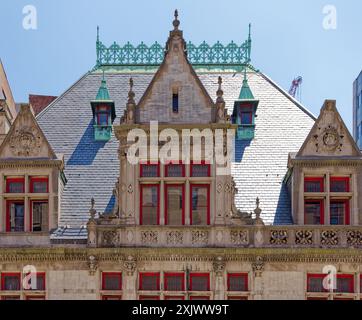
{"type": "Point", "coordinates": [131, 94]}
{"type": "Point", "coordinates": [176, 21]}
{"type": "Point", "coordinates": [220, 104]}
{"type": "Point", "coordinates": [220, 92]}
{"type": "Point", "coordinates": [131, 105]}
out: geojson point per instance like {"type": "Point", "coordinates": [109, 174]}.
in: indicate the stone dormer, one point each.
{"type": "Point", "coordinates": [325, 175]}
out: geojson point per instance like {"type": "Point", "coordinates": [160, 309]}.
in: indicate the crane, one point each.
{"type": "Point", "coordinates": [295, 87]}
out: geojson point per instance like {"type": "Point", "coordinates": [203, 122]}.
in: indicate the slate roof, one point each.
{"type": "Point", "coordinates": [92, 168]}
{"type": "Point", "coordinates": [40, 102]}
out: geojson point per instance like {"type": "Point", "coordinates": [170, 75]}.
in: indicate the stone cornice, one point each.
{"type": "Point", "coordinates": [320, 162]}
{"type": "Point", "coordinates": [27, 163]}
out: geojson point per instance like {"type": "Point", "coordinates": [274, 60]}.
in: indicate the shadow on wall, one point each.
{"type": "Point", "coordinates": [87, 148]}
{"type": "Point", "coordinates": [110, 205]}
{"type": "Point", "coordinates": [240, 146]}
{"type": "Point", "coordinates": [283, 213]}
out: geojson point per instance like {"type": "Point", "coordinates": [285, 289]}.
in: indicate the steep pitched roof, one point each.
{"type": "Point", "coordinates": [40, 102]}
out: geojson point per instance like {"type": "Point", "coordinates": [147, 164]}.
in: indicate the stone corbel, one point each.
{"type": "Point", "coordinates": [258, 266]}
{"type": "Point", "coordinates": [92, 265]}
{"type": "Point", "coordinates": [130, 265]}
{"type": "Point", "coordinates": [219, 266]}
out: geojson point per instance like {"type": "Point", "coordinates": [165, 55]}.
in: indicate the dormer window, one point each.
{"type": "Point", "coordinates": [246, 115]}
{"type": "Point", "coordinates": [175, 102]}
{"type": "Point", "coordinates": [102, 116]}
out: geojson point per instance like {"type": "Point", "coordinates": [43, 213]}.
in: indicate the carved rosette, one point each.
{"type": "Point", "coordinates": [26, 142]}
{"type": "Point", "coordinates": [258, 266]}
{"type": "Point", "coordinates": [278, 237]}
{"type": "Point", "coordinates": [130, 265]}
{"type": "Point", "coordinates": [92, 265]}
{"type": "Point", "coordinates": [219, 266]}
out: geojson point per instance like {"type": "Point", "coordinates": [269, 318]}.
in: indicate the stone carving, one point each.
{"type": "Point", "coordinates": [174, 237]}
{"type": "Point", "coordinates": [110, 238]}
{"type": "Point", "coordinates": [329, 238]}
{"type": "Point", "coordinates": [219, 188]}
{"type": "Point", "coordinates": [219, 266]}
{"type": "Point", "coordinates": [149, 237]}
{"type": "Point", "coordinates": [278, 237]}
{"type": "Point", "coordinates": [354, 238]}
{"type": "Point", "coordinates": [93, 265]}
{"type": "Point", "coordinates": [200, 237]}
{"type": "Point", "coordinates": [130, 189]}
{"type": "Point", "coordinates": [239, 237]}
{"type": "Point", "coordinates": [304, 237]}
{"type": "Point", "coordinates": [26, 142]}
{"type": "Point", "coordinates": [130, 265]}
{"type": "Point", "coordinates": [258, 266]}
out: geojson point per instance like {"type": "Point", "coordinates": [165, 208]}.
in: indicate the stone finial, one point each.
{"type": "Point", "coordinates": [176, 21]}
{"type": "Point", "coordinates": [92, 211]}
{"type": "Point", "coordinates": [131, 94]}
{"type": "Point", "coordinates": [258, 220]}
{"type": "Point", "coordinates": [220, 92]}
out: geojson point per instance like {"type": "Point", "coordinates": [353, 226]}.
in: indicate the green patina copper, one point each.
{"type": "Point", "coordinates": [202, 55]}
{"type": "Point", "coordinates": [245, 92]}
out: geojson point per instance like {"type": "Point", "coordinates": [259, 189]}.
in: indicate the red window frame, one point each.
{"type": "Point", "coordinates": [202, 163]}
{"type": "Point", "coordinates": [199, 297]}
{"type": "Point", "coordinates": [150, 163]}
{"type": "Point", "coordinates": [149, 274]}
{"type": "Point", "coordinates": [246, 109]}
{"type": "Point", "coordinates": [237, 298]}
{"type": "Point", "coordinates": [314, 179]}
{"type": "Point", "coordinates": [10, 274]}
{"type": "Point", "coordinates": [347, 217]}
{"type": "Point", "coordinates": [39, 275]}
{"type": "Point", "coordinates": [174, 298]}
{"type": "Point", "coordinates": [8, 203]}
{"type": "Point", "coordinates": [142, 186]}
{"type": "Point", "coordinates": [196, 275]}
{"type": "Point", "coordinates": [238, 275]}
{"type": "Point", "coordinates": [174, 274]}
{"type": "Point", "coordinates": [178, 163]}
{"type": "Point", "coordinates": [10, 180]}
{"type": "Point", "coordinates": [35, 298]}
{"type": "Point", "coordinates": [350, 277]}
{"type": "Point", "coordinates": [110, 297]}
{"type": "Point", "coordinates": [318, 276]}
{"type": "Point", "coordinates": [146, 297]}
{"type": "Point", "coordinates": [36, 179]}
{"type": "Point", "coordinates": [9, 298]}
{"type": "Point", "coordinates": [31, 214]}
{"type": "Point", "coordinates": [321, 201]}
{"type": "Point", "coordinates": [346, 180]}
{"type": "Point", "coordinates": [105, 274]}
{"type": "Point", "coordinates": [102, 109]}
{"type": "Point", "coordinates": [208, 200]}
{"type": "Point", "coordinates": [167, 186]}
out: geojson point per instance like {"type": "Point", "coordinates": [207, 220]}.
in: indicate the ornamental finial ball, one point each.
{"type": "Point", "coordinates": [176, 22]}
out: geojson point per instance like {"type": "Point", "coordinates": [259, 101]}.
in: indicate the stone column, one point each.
{"type": "Point", "coordinates": [258, 268]}
{"type": "Point", "coordinates": [219, 269]}
{"type": "Point", "coordinates": [130, 278]}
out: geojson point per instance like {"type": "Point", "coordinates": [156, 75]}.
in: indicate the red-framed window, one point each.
{"type": "Point", "coordinates": [175, 170]}
{"type": "Point", "coordinates": [200, 204]}
{"type": "Point", "coordinates": [39, 215]}
{"type": "Point", "coordinates": [315, 283]}
{"type": "Point", "coordinates": [39, 279]}
{"type": "Point", "coordinates": [339, 212]}
{"type": "Point", "coordinates": [237, 282]}
{"type": "Point", "coordinates": [149, 281]}
{"type": "Point", "coordinates": [35, 298]}
{"type": "Point", "coordinates": [11, 281]}
{"type": "Point", "coordinates": [314, 184]}
{"type": "Point", "coordinates": [15, 185]}
{"type": "Point", "coordinates": [199, 298]}
{"type": "Point", "coordinates": [39, 185]}
{"type": "Point", "coordinates": [237, 298]}
{"type": "Point", "coordinates": [112, 281]}
{"type": "Point", "coordinates": [314, 212]}
{"type": "Point", "coordinates": [102, 115]}
{"type": "Point", "coordinates": [174, 281]}
{"type": "Point", "coordinates": [150, 204]}
{"type": "Point", "coordinates": [149, 298]}
{"type": "Point", "coordinates": [174, 204]}
{"type": "Point", "coordinates": [199, 282]}
{"type": "Point", "coordinates": [340, 184]}
{"type": "Point", "coordinates": [10, 298]}
{"type": "Point", "coordinates": [15, 216]}
{"type": "Point", "coordinates": [246, 114]}
{"type": "Point", "coordinates": [345, 283]}
{"type": "Point", "coordinates": [149, 170]}
{"type": "Point", "coordinates": [174, 298]}
{"type": "Point", "coordinates": [110, 298]}
{"type": "Point", "coordinates": [200, 169]}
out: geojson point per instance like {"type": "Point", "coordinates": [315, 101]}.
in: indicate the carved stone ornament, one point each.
{"type": "Point", "coordinates": [329, 238]}
{"type": "Point", "coordinates": [329, 139]}
{"type": "Point", "coordinates": [110, 238]}
{"type": "Point", "coordinates": [354, 238]}
{"type": "Point", "coordinates": [174, 237]}
{"type": "Point", "coordinates": [200, 237]}
{"type": "Point", "coordinates": [149, 237]}
{"type": "Point", "coordinates": [258, 266]}
{"type": "Point", "coordinates": [93, 265]}
{"type": "Point", "coordinates": [278, 237]}
{"type": "Point", "coordinates": [26, 142]}
{"type": "Point", "coordinates": [219, 266]}
{"type": "Point", "coordinates": [130, 265]}
{"type": "Point", "coordinates": [239, 237]}
{"type": "Point", "coordinates": [304, 237]}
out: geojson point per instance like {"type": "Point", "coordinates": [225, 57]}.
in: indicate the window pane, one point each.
{"type": "Point", "coordinates": [175, 101]}
{"type": "Point", "coordinates": [200, 203]}
{"type": "Point", "coordinates": [238, 283]}
{"type": "Point", "coordinates": [103, 119]}
{"type": "Point", "coordinates": [340, 185]}
{"type": "Point", "coordinates": [112, 281]}
{"type": "Point", "coordinates": [39, 186]}
{"type": "Point", "coordinates": [149, 170]}
{"type": "Point", "coordinates": [338, 212]}
{"type": "Point", "coordinates": [11, 283]}
{"type": "Point", "coordinates": [246, 118]}
{"type": "Point", "coordinates": [40, 282]}
{"type": "Point", "coordinates": [199, 283]}
{"type": "Point", "coordinates": [175, 205]}
{"type": "Point", "coordinates": [149, 205]}
{"type": "Point", "coordinates": [174, 282]}
{"type": "Point", "coordinates": [315, 284]}
{"type": "Point", "coordinates": [313, 185]}
{"type": "Point", "coordinates": [149, 298]}
{"type": "Point", "coordinates": [15, 186]}
{"type": "Point", "coordinates": [313, 211]}
{"type": "Point", "coordinates": [200, 170]}
{"type": "Point", "coordinates": [40, 214]}
{"type": "Point", "coordinates": [16, 217]}
{"type": "Point", "coordinates": [175, 170]}
{"type": "Point", "coordinates": [149, 282]}
{"type": "Point", "coordinates": [345, 284]}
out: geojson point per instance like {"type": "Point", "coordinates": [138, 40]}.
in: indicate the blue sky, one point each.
{"type": "Point", "coordinates": [288, 40]}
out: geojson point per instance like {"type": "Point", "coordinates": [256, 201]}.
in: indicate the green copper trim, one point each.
{"type": "Point", "coordinates": [245, 92]}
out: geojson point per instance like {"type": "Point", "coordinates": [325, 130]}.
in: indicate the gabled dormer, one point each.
{"type": "Point", "coordinates": [104, 113]}
{"type": "Point", "coordinates": [244, 112]}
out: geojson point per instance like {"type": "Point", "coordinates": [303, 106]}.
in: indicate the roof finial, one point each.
{"type": "Point", "coordinates": [220, 92]}
{"type": "Point", "coordinates": [103, 78]}
{"type": "Point", "coordinates": [249, 32]}
{"type": "Point", "coordinates": [131, 94]}
{"type": "Point", "coordinates": [92, 211]}
{"type": "Point", "coordinates": [97, 33]}
{"type": "Point", "coordinates": [176, 21]}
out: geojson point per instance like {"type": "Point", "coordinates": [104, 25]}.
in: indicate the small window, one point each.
{"type": "Point", "coordinates": [200, 205]}
{"type": "Point", "coordinates": [39, 279]}
{"type": "Point", "coordinates": [15, 185]}
{"type": "Point", "coordinates": [200, 170]}
{"type": "Point", "coordinates": [199, 282]}
{"type": "Point", "coordinates": [339, 212]}
{"type": "Point", "coordinates": [15, 216]}
{"type": "Point", "coordinates": [149, 211]}
{"type": "Point", "coordinates": [175, 103]}
{"type": "Point", "coordinates": [314, 185]}
{"type": "Point", "coordinates": [314, 212]}
{"type": "Point", "coordinates": [10, 282]}
{"type": "Point", "coordinates": [246, 115]}
{"type": "Point", "coordinates": [39, 215]}
{"type": "Point", "coordinates": [339, 184]}
{"type": "Point", "coordinates": [315, 283]}
{"type": "Point", "coordinates": [237, 282]}
{"type": "Point", "coordinates": [174, 282]}
{"type": "Point", "coordinates": [112, 281]}
{"type": "Point", "coordinates": [345, 283]}
{"type": "Point", "coordinates": [175, 215]}
{"type": "Point", "coordinates": [149, 282]}
{"type": "Point", "coordinates": [175, 170]}
{"type": "Point", "coordinates": [38, 185]}
{"type": "Point", "coordinates": [149, 170]}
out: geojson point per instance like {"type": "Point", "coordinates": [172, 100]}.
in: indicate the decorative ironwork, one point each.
{"type": "Point", "coordinates": [143, 55]}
